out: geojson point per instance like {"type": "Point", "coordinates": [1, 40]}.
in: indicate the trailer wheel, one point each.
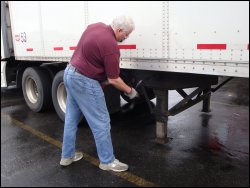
{"type": "Point", "coordinates": [59, 95]}
{"type": "Point", "coordinates": [36, 86]}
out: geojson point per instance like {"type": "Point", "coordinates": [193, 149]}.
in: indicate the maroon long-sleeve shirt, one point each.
{"type": "Point", "coordinates": [97, 54]}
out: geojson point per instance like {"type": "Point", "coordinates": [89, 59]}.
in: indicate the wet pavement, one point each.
{"type": "Point", "coordinates": [207, 149]}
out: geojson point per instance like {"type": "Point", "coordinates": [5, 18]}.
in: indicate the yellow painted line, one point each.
{"type": "Point", "coordinates": [124, 175]}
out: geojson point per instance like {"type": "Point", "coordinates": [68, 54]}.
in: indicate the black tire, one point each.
{"type": "Point", "coordinates": [36, 86]}
{"type": "Point", "coordinates": [59, 95]}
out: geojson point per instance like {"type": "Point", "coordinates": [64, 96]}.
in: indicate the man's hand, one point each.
{"type": "Point", "coordinates": [118, 83]}
{"type": "Point", "coordinates": [133, 94]}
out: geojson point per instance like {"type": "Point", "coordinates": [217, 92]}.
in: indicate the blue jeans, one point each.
{"type": "Point", "coordinates": [85, 95]}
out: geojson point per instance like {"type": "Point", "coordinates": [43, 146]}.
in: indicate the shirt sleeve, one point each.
{"type": "Point", "coordinates": [111, 64]}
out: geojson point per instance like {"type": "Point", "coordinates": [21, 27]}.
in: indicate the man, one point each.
{"type": "Point", "coordinates": [96, 59]}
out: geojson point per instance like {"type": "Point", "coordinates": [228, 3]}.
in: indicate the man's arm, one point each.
{"type": "Point", "coordinates": [118, 83]}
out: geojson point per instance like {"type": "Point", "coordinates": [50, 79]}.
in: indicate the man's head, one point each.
{"type": "Point", "coordinates": [122, 27]}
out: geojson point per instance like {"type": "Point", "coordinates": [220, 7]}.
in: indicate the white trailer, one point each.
{"type": "Point", "coordinates": [175, 45]}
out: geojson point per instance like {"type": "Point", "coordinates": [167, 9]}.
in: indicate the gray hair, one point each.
{"type": "Point", "coordinates": [123, 22]}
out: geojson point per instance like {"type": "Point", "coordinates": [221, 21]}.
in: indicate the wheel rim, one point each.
{"type": "Point", "coordinates": [31, 90]}
{"type": "Point", "coordinates": [61, 97]}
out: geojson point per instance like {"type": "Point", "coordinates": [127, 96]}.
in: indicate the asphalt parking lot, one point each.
{"type": "Point", "coordinates": [207, 149]}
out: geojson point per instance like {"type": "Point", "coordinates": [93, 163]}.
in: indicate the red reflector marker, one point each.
{"type": "Point", "coordinates": [130, 47]}
{"type": "Point", "coordinates": [211, 46]}
{"type": "Point", "coordinates": [58, 48]}
{"type": "Point", "coordinates": [72, 47]}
